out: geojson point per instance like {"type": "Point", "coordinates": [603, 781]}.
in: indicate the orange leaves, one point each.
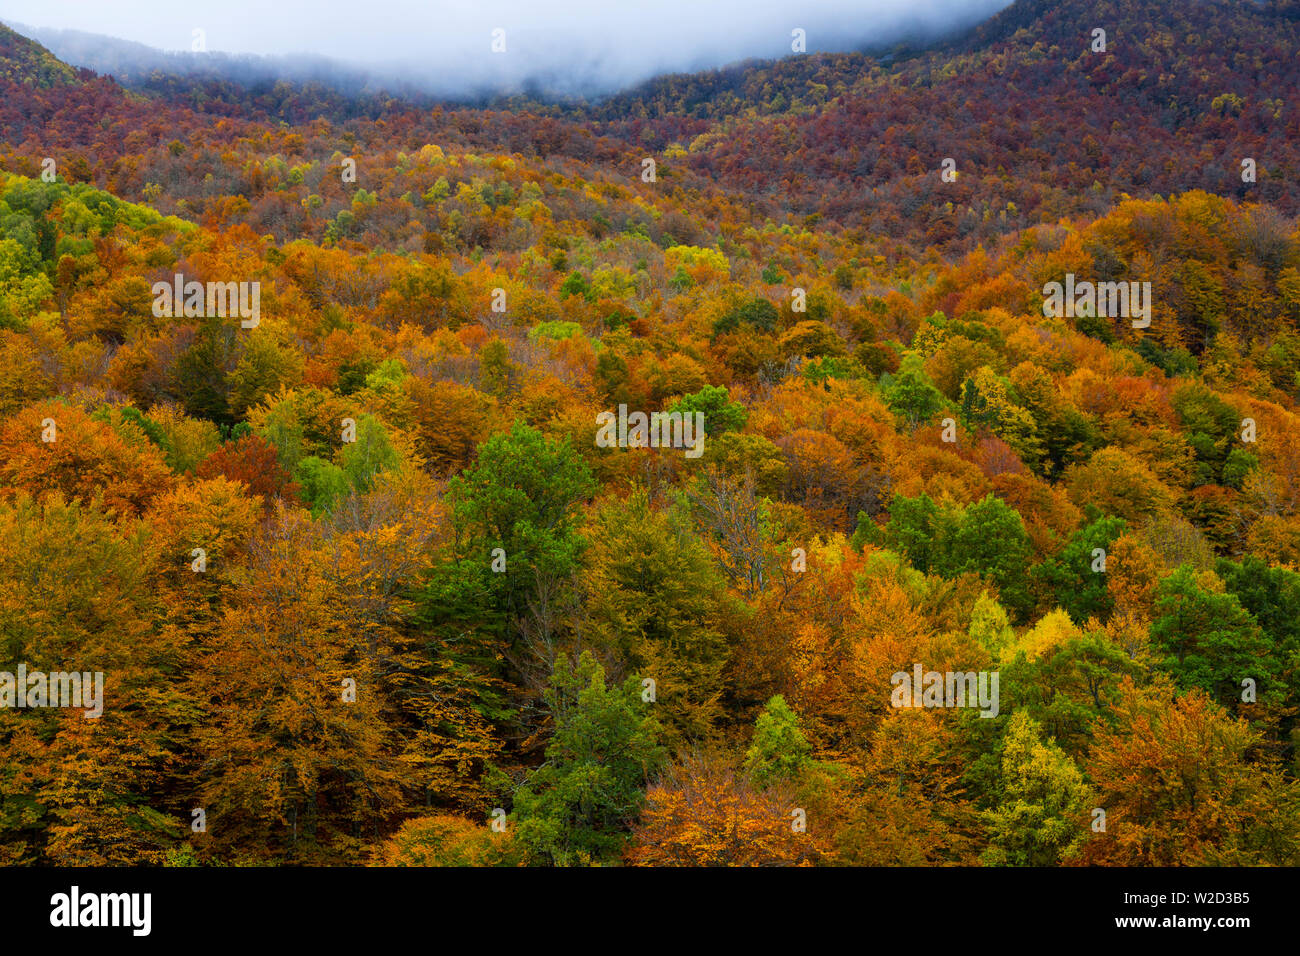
{"type": "Point", "coordinates": [448, 841]}
{"type": "Point", "coordinates": [1132, 573]}
{"type": "Point", "coordinates": [324, 676]}
{"type": "Point", "coordinates": [318, 699]}
{"type": "Point", "coordinates": [1120, 485]}
{"type": "Point", "coordinates": [1178, 790]}
{"type": "Point", "coordinates": [452, 420]}
{"type": "Point", "coordinates": [823, 477]}
{"type": "Point", "coordinates": [22, 377]}
{"type": "Point", "coordinates": [296, 700]}
{"type": "Point", "coordinates": [913, 811]}
{"type": "Point", "coordinates": [1047, 510]}
{"type": "Point", "coordinates": [706, 813]}
{"type": "Point", "coordinates": [54, 446]}
{"type": "Point", "coordinates": [934, 467]}
{"type": "Point", "coordinates": [77, 595]}
{"type": "Point", "coordinates": [252, 461]}
{"type": "Point", "coordinates": [214, 515]}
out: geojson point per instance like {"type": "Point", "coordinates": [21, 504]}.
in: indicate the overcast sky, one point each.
{"type": "Point", "coordinates": [610, 41]}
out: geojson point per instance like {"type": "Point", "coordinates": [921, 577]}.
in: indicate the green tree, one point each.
{"type": "Point", "coordinates": [911, 529]}
{"type": "Point", "coordinates": [779, 750]}
{"type": "Point", "coordinates": [200, 377]}
{"type": "Point", "coordinates": [520, 497]}
{"type": "Point", "coordinates": [720, 413]}
{"type": "Point", "coordinates": [371, 453]}
{"type": "Point", "coordinates": [574, 284]}
{"type": "Point", "coordinates": [989, 538]}
{"type": "Point", "coordinates": [1208, 640]}
{"type": "Point", "coordinates": [387, 374]}
{"type": "Point", "coordinates": [910, 394]}
{"type": "Point", "coordinates": [986, 537]}
{"type": "Point", "coordinates": [653, 599]}
{"type": "Point", "coordinates": [265, 365]}
{"type": "Point", "coordinates": [611, 377]}
{"type": "Point", "coordinates": [577, 807]}
{"type": "Point", "coordinates": [323, 484]}
{"type": "Point", "coordinates": [1069, 690]}
{"type": "Point", "coordinates": [495, 368]}
{"type": "Point", "coordinates": [1211, 426]}
{"type": "Point", "coordinates": [1271, 595]}
{"type": "Point", "coordinates": [1068, 578]}
{"type": "Point", "coordinates": [1040, 818]}
{"type": "Point", "coordinates": [757, 313]}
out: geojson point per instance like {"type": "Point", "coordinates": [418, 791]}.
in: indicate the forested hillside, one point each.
{"type": "Point", "coordinates": [368, 584]}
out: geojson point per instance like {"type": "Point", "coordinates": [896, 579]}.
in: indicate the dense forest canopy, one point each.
{"type": "Point", "coordinates": [366, 585]}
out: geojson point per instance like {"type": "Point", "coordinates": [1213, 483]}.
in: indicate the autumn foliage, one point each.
{"type": "Point", "coordinates": [366, 589]}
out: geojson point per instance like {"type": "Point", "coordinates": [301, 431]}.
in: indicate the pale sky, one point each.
{"type": "Point", "coordinates": [612, 41]}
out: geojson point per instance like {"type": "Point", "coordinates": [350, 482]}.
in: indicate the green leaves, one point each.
{"type": "Point", "coordinates": [652, 599]}
{"type": "Point", "coordinates": [576, 807]}
{"type": "Point", "coordinates": [369, 454]}
{"type": "Point", "coordinates": [517, 504]}
{"type": "Point", "coordinates": [757, 313]}
{"type": "Point", "coordinates": [986, 537]}
{"type": "Point", "coordinates": [721, 415]}
{"type": "Point", "coordinates": [1038, 820]}
{"type": "Point", "coordinates": [779, 750]}
{"type": "Point", "coordinates": [910, 393]}
{"type": "Point", "coordinates": [522, 489]}
{"type": "Point", "coordinates": [1208, 639]}
{"type": "Point", "coordinates": [1070, 579]}
{"type": "Point", "coordinates": [325, 484]}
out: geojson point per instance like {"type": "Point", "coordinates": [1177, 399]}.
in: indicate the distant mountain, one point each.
{"type": "Point", "coordinates": [1040, 121]}
{"type": "Point", "coordinates": [26, 61]}
{"type": "Point", "coordinates": [134, 64]}
{"type": "Point", "coordinates": [591, 68]}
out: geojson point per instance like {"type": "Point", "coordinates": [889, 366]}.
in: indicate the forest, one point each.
{"type": "Point", "coordinates": [368, 585]}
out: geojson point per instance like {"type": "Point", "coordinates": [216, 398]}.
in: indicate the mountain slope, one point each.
{"type": "Point", "coordinates": [1038, 124]}
{"type": "Point", "coordinates": [26, 61]}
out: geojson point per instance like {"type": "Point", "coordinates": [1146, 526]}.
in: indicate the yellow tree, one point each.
{"type": "Point", "coordinates": [1176, 778]}
{"type": "Point", "coordinates": [296, 758]}
{"type": "Point", "coordinates": [703, 812]}
{"type": "Point", "coordinates": [86, 785]}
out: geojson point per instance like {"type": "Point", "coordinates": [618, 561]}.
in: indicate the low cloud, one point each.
{"type": "Point", "coordinates": [575, 46]}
